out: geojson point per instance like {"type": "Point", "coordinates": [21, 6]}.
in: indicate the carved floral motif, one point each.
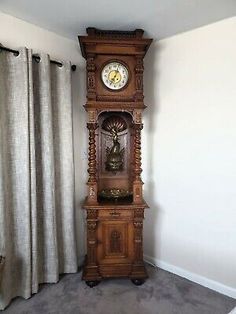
{"type": "Point", "coordinates": [92, 225]}
{"type": "Point", "coordinates": [115, 242]}
{"type": "Point", "coordinates": [139, 82]}
{"type": "Point", "coordinates": [91, 241]}
{"type": "Point", "coordinates": [137, 116]}
{"type": "Point", "coordinates": [138, 239]}
{"type": "Point", "coordinates": [92, 116]}
{"type": "Point", "coordinates": [139, 78]}
{"type": "Point", "coordinates": [139, 213]}
{"type": "Point", "coordinates": [91, 81]}
{"type": "Point", "coordinates": [92, 213]}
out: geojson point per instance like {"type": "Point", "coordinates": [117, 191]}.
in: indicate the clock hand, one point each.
{"type": "Point", "coordinates": [117, 71]}
{"type": "Point", "coordinates": [113, 79]}
{"type": "Point", "coordinates": [115, 75]}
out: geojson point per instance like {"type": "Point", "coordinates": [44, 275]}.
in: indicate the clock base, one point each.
{"type": "Point", "coordinates": [94, 275]}
{"type": "Point", "coordinates": [138, 282]}
{"type": "Point", "coordinates": [91, 283]}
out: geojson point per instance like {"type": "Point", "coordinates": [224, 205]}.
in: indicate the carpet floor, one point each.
{"type": "Point", "coordinates": [162, 293]}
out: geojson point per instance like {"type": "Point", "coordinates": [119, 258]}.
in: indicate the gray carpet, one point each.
{"type": "Point", "coordinates": [162, 293]}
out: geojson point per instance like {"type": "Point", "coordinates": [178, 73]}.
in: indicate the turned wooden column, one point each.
{"type": "Point", "coordinates": [137, 183]}
{"type": "Point", "coordinates": [92, 169]}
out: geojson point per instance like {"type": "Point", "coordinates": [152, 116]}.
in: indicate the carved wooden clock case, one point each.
{"type": "Point", "coordinates": [114, 205]}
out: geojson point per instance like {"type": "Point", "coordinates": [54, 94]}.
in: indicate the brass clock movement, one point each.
{"type": "Point", "coordinates": [114, 204]}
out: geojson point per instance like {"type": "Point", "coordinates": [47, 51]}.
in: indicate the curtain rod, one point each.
{"type": "Point", "coordinates": [37, 58]}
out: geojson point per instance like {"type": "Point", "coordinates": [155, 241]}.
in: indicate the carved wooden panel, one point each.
{"type": "Point", "coordinates": [115, 241]}
{"type": "Point", "coordinates": [91, 242]}
{"type": "Point", "coordinates": [91, 80]}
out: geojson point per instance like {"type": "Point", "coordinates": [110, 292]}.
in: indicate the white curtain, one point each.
{"type": "Point", "coordinates": [37, 232]}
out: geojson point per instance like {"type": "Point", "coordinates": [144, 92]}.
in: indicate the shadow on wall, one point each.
{"type": "Point", "coordinates": [152, 218]}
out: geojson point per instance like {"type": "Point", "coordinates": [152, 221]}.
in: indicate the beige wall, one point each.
{"type": "Point", "coordinates": [190, 155]}
{"type": "Point", "coordinates": [188, 143]}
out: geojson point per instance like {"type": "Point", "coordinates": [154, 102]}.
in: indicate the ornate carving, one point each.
{"type": "Point", "coordinates": [92, 225]}
{"type": "Point", "coordinates": [114, 98]}
{"type": "Point", "coordinates": [138, 224]}
{"type": "Point", "coordinates": [139, 78]}
{"type": "Point", "coordinates": [91, 31]}
{"type": "Point", "coordinates": [115, 242]}
{"type": "Point", "coordinates": [139, 65]}
{"type": "Point", "coordinates": [92, 191]}
{"type": "Point", "coordinates": [139, 213]}
{"type": "Point", "coordinates": [137, 116]}
{"type": "Point", "coordinates": [138, 240]}
{"type": "Point", "coordinates": [139, 82]}
{"type": "Point", "coordinates": [92, 153]}
{"type": "Point", "coordinates": [91, 82]}
{"type": "Point", "coordinates": [92, 213]}
{"type": "Point", "coordinates": [91, 67]}
{"type": "Point", "coordinates": [91, 242]}
{"type": "Point", "coordinates": [92, 115]}
{"type": "Point", "coordinates": [92, 126]}
{"type": "Point", "coordinates": [114, 122]}
{"type": "Point", "coordinates": [137, 151]}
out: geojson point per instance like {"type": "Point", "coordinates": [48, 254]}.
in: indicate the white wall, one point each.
{"type": "Point", "coordinates": [15, 33]}
{"type": "Point", "coordinates": [188, 142]}
{"type": "Point", "coordinates": [190, 159]}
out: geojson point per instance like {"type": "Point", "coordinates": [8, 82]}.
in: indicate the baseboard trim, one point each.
{"type": "Point", "coordinates": [211, 284]}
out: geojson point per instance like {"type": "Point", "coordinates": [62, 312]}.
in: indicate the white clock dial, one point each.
{"type": "Point", "coordinates": [115, 75]}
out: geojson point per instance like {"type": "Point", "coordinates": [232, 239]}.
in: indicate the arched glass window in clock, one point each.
{"type": "Point", "coordinates": [115, 75]}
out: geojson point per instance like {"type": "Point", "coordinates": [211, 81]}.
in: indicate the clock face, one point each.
{"type": "Point", "coordinates": [115, 75]}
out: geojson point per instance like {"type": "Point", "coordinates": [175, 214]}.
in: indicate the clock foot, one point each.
{"type": "Point", "coordinates": [92, 283]}
{"type": "Point", "coordinates": [137, 282]}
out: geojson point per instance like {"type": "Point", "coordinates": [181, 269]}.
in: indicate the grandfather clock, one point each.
{"type": "Point", "coordinates": [114, 205]}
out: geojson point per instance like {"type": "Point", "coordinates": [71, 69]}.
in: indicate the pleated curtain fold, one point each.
{"type": "Point", "coordinates": [37, 218]}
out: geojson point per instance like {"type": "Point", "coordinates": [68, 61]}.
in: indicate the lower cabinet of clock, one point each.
{"type": "Point", "coordinates": [115, 246]}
